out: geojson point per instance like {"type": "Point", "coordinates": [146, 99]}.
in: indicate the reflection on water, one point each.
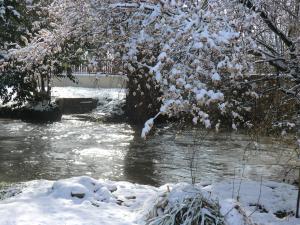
{"type": "Point", "coordinates": [115, 151]}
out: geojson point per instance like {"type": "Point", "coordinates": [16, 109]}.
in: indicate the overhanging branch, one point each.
{"type": "Point", "coordinates": [268, 21]}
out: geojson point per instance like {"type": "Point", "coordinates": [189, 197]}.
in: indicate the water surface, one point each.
{"type": "Point", "coordinates": [85, 145]}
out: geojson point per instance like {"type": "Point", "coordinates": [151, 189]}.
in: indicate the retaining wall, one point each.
{"type": "Point", "coordinates": [92, 81]}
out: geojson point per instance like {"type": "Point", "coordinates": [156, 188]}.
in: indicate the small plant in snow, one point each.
{"type": "Point", "coordinates": [187, 207]}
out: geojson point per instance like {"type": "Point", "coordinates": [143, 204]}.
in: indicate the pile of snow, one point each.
{"type": "Point", "coordinates": [82, 189]}
{"type": "Point", "coordinates": [86, 201]}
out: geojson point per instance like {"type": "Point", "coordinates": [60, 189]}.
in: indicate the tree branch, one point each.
{"type": "Point", "coordinates": [269, 23]}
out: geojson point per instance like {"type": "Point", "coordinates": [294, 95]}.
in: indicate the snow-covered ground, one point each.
{"type": "Point", "coordinates": [86, 201]}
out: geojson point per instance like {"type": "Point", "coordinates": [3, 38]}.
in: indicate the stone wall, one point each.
{"type": "Point", "coordinates": [92, 81]}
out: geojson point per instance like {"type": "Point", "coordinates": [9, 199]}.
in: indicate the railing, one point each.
{"type": "Point", "coordinates": [109, 67]}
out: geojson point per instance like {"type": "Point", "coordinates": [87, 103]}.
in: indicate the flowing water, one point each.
{"type": "Point", "coordinates": [86, 145]}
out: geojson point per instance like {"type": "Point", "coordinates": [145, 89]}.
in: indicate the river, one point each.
{"type": "Point", "coordinates": [88, 145]}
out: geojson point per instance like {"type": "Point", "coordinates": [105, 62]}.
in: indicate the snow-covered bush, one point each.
{"type": "Point", "coordinates": [194, 54]}
{"type": "Point", "coordinates": [32, 51]}
{"type": "Point", "coordinates": [198, 56]}
{"type": "Point", "coordinates": [19, 21]}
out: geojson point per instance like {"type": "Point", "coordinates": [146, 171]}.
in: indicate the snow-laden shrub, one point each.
{"type": "Point", "coordinates": [186, 205]}
{"type": "Point", "coordinates": [182, 59]}
{"type": "Point", "coordinates": [192, 56]}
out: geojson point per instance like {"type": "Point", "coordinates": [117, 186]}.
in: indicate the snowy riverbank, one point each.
{"type": "Point", "coordinates": [86, 201]}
